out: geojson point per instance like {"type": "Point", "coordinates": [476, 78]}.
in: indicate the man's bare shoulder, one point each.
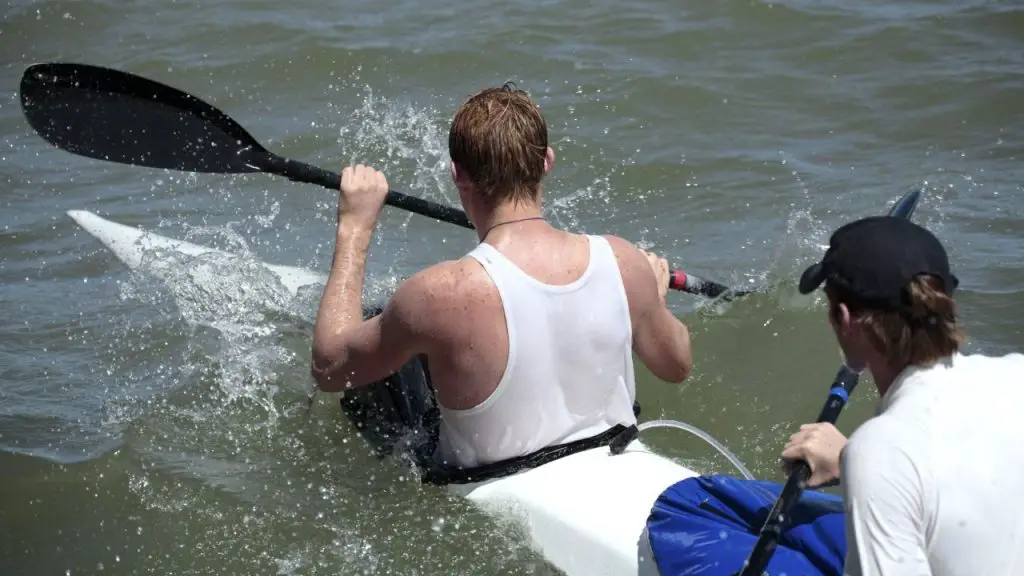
{"type": "Point", "coordinates": [637, 276]}
{"type": "Point", "coordinates": [441, 289]}
{"type": "Point", "coordinates": [631, 261]}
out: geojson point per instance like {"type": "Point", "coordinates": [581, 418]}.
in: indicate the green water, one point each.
{"type": "Point", "coordinates": [159, 428]}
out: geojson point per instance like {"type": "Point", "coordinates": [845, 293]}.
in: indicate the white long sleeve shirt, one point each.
{"type": "Point", "coordinates": [934, 484]}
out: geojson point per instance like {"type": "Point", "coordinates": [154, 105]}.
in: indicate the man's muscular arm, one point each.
{"type": "Point", "coordinates": [660, 340]}
{"type": "Point", "coordinates": [348, 351]}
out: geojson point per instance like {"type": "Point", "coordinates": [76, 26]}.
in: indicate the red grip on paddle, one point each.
{"type": "Point", "coordinates": [676, 279]}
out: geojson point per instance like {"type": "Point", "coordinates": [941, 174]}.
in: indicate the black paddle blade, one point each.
{"type": "Point", "coordinates": [120, 117]}
{"type": "Point", "coordinates": [905, 206]}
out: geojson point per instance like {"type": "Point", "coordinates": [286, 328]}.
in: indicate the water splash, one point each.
{"type": "Point", "coordinates": [233, 295]}
{"type": "Point", "coordinates": [407, 142]}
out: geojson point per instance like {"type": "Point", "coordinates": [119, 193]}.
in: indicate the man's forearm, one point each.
{"type": "Point", "coordinates": [341, 303]}
{"type": "Point", "coordinates": [683, 348]}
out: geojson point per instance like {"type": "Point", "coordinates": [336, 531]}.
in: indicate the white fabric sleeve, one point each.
{"type": "Point", "coordinates": [883, 494]}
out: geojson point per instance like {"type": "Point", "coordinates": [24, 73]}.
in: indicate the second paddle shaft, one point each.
{"type": "Point", "coordinates": [845, 381]}
{"type": "Point", "coordinates": [302, 172]}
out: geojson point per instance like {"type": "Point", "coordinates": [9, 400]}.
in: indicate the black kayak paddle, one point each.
{"type": "Point", "coordinates": [117, 116]}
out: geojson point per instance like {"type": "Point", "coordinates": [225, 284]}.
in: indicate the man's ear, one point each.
{"type": "Point", "coordinates": [839, 316]}
{"type": "Point", "coordinates": [843, 320]}
{"type": "Point", "coordinates": [549, 160]}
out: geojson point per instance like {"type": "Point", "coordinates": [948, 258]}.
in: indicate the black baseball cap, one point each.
{"type": "Point", "coordinates": [875, 258]}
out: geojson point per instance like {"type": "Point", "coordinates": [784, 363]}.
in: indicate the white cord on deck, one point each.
{"type": "Point", "coordinates": [703, 435]}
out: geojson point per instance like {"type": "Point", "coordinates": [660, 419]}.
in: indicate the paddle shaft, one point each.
{"type": "Point", "coordinates": [296, 171]}
{"type": "Point", "coordinates": [845, 381]}
{"type": "Point", "coordinates": [307, 174]}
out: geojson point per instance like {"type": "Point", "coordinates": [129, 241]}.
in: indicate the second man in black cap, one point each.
{"type": "Point", "coordinates": [934, 483]}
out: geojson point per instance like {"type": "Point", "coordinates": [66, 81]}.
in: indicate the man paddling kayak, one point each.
{"type": "Point", "coordinates": [933, 483]}
{"type": "Point", "coordinates": [529, 338]}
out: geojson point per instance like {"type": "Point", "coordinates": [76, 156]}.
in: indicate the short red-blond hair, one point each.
{"type": "Point", "coordinates": [499, 141]}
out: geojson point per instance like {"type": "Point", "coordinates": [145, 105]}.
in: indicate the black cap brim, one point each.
{"type": "Point", "coordinates": [812, 278]}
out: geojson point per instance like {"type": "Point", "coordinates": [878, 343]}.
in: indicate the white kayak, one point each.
{"type": "Point", "coordinates": [133, 246]}
{"type": "Point", "coordinates": [586, 513]}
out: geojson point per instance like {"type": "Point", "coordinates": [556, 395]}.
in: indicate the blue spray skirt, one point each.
{"type": "Point", "coordinates": [708, 525]}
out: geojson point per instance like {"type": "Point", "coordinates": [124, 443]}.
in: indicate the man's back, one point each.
{"type": "Point", "coordinates": [936, 478]}
{"type": "Point", "coordinates": [540, 352]}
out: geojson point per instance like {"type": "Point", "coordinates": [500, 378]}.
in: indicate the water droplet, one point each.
{"type": "Point", "coordinates": [437, 525]}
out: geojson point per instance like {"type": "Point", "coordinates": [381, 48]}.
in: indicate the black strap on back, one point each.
{"type": "Point", "coordinates": [616, 438]}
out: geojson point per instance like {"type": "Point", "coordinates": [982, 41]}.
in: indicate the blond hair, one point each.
{"type": "Point", "coordinates": [499, 140]}
{"type": "Point", "coordinates": [921, 332]}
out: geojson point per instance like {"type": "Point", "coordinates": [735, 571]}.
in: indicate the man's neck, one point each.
{"type": "Point", "coordinates": [505, 213]}
{"type": "Point", "coordinates": [884, 376]}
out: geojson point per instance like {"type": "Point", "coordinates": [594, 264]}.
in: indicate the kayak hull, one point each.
{"type": "Point", "coordinates": [586, 513]}
{"type": "Point", "coordinates": [134, 247]}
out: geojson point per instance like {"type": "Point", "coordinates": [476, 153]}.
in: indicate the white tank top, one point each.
{"type": "Point", "coordinates": [569, 373]}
